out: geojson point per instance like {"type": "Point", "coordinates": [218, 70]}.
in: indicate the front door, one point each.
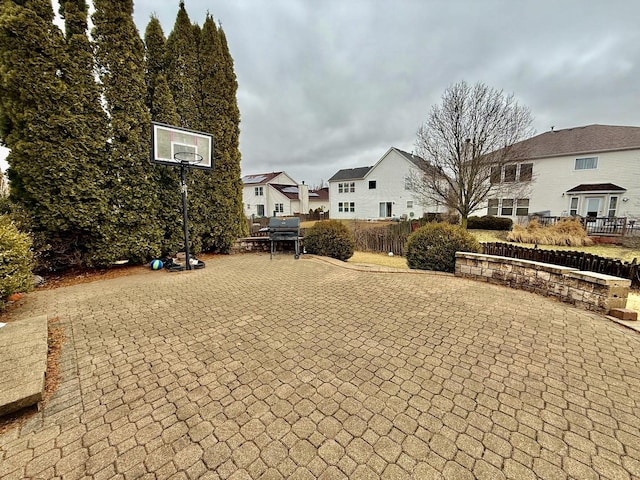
{"type": "Point", "coordinates": [593, 206]}
{"type": "Point", "coordinates": [385, 209]}
{"type": "Point", "coordinates": [260, 209]}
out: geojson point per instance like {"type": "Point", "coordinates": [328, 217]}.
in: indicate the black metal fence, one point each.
{"type": "Point", "coordinates": [594, 225]}
{"type": "Point", "coordinates": [579, 260]}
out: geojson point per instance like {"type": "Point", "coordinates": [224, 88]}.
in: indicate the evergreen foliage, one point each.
{"type": "Point", "coordinates": [182, 69]}
{"type": "Point", "coordinates": [17, 260]}
{"type": "Point", "coordinates": [489, 222]}
{"type": "Point", "coordinates": [182, 78]}
{"type": "Point", "coordinates": [434, 246]}
{"type": "Point", "coordinates": [80, 178]}
{"type": "Point", "coordinates": [53, 124]}
{"type": "Point", "coordinates": [330, 238]}
{"type": "Point", "coordinates": [221, 116]}
{"type": "Point", "coordinates": [135, 233]}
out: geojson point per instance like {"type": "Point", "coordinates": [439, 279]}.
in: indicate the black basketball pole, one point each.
{"type": "Point", "coordinates": [185, 217]}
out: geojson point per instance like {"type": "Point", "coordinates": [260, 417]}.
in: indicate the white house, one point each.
{"type": "Point", "coordinates": [275, 193]}
{"type": "Point", "coordinates": [380, 191]}
{"type": "Point", "coordinates": [590, 171]}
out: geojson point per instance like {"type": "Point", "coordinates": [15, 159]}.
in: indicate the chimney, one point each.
{"type": "Point", "coordinates": [303, 196]}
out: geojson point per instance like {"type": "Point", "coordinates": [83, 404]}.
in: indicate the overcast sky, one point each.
{"type": "Point", "coordinates": [332, 84]}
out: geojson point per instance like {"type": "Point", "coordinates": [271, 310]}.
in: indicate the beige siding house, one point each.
{"type": "Point", "coordinates": [590, 171]}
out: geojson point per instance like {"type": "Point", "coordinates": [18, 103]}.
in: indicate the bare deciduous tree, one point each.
{"type": "Point", "coordinates": [465, 139]}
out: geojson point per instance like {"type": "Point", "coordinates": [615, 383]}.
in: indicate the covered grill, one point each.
{"type": "Point", "coordinates": [284, 230]}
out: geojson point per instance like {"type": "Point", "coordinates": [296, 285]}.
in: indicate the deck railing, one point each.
{"type": "Point", "coordinates": [593, 225]}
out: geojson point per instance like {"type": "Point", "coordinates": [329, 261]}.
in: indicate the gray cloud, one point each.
{"type": "Point", "coordinates": [333, 84]}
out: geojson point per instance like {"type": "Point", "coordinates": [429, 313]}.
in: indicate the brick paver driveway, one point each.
{"type": "Point", "coordinates": [253, 368]}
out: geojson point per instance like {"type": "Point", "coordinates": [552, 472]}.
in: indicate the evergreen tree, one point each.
{"type": "Point", "coordinates": [30, 92]}
{"type": "Point", "coordinates": [163, 110]}
{"type": "Point", "coordinates": [154, 42]}
{"type": "Point", "coordinates": [52, 126]}
{"type": "Point", "coordinates": [131, 182]}
{"type": "Point", "coordinates": [183, 81]}
{"type": "Point", "coordinates": [83, 200]}
{"type": "Point", "coordinates": [182, 69]}
{"type": "Point", "coordinates": [220, 115]}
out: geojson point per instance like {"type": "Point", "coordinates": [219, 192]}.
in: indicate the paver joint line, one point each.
{"type": "Point", "coordinates": [319, 369]}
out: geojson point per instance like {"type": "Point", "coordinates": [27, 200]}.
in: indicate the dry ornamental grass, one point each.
{"type": "Point", "coordinates": [567, 231]}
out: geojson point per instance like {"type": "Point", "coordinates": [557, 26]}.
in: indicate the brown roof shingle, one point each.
{"type": "Point", "coordinates": [578, 141]}
{"type": "Point", "coordinates": [259, 178]}
{"type": "Point", "coordinates": [597, 187]}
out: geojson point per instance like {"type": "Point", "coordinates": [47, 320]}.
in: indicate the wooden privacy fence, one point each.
{"type": "Point", "coordinates": [390, 238]}
{"type": "Point", "coordinates": [579, 260]}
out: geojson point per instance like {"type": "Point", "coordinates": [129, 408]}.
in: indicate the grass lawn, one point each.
{"type": "Point", "coordinates": [621, 252]}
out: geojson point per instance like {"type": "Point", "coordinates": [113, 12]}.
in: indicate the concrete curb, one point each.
{"type": "Point", "coordinates": [23, 363]}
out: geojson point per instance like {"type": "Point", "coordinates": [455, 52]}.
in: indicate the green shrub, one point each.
{"type": "Point", "coordinates": [330, 238]}
{"type": "Point", "coordinates": [434, 246]}
{"type": "Point", "coordinates": [489, 222]}
{"type": "Point", "coordinates": [16, 260]}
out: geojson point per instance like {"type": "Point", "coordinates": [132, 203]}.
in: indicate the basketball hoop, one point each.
{"type": "Point", "coordinates": [187, 158]}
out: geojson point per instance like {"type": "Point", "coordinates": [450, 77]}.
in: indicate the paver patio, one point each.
{"type": "Point", "coordinates": [254, 368]}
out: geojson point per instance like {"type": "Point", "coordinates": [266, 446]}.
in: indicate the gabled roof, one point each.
{"type": "Point", "coordinates": [361, 172]}
{"type": "Point", "coordinates": [351, 174]}
{"type": "Point", "coordinates": [259, 178]}
{"type": "Point", "coordinates": [578, 141]}
{"type": "Point", "coordinates": [289, 191]}
{"type": "Point", "coordinates": [597, 187]}
{"type": "Point", "coordinates": [419, 162]}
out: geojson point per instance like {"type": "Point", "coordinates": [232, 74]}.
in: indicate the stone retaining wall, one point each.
{"type": "Point", "coordinates": [588, 290]}
{"type": "Point", "coordinates": [261, 244]}
{"type": "Point", "coordinates": [251, 244]}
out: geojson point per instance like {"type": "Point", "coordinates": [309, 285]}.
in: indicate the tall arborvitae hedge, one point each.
{"type": "Point", "coordinates": [54, 126]}
{"type": "Point", "coordinates": [219, 114]}
{"type": "Point", "coordinates": [79, 170]}
{"type": "Point", "coordinates": [135, 233]}
{"type": "Point", "coordinates": [182, 69]}
{"type": "Point", "coordinates": [86, 199]}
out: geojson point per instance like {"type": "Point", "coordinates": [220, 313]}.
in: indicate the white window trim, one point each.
{"type": "Point", "coordinates": [587, 166]}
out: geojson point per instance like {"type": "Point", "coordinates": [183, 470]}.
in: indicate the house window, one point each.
{"type": "Point", "coordinates": [372, 184]}
{"type": "Point", "coordinates": [507, 207]}
{"type": "Point", "coordinates": [260, 210]}
{"type": "Point", "coordinates": [346, 207]}
{"type": "Point", "coordinates": [510, 173]}
{"type": "Point", "coordinates": [496, 175]}
{"type": "Point", "coordinates": [522, 207]}
{"type": "Point", "coordinates": [279, 208]}
{"type": "Point", "coordinates": [526, 172]}
{"type": "Point", "coordinates": [573, 207]}
{"type": "Point", "coordinates": [347, 187]}
{"type": "Point", "coordinates": [409, 203]}
{"type": "Point", "coordinates": [492, 207]}
{"type": "Point", "coordinates": [259, 191]}
{"type": "Point", "coordinates": [613, 205]}
{"type": "Point", "coordinates": [587, 163]}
